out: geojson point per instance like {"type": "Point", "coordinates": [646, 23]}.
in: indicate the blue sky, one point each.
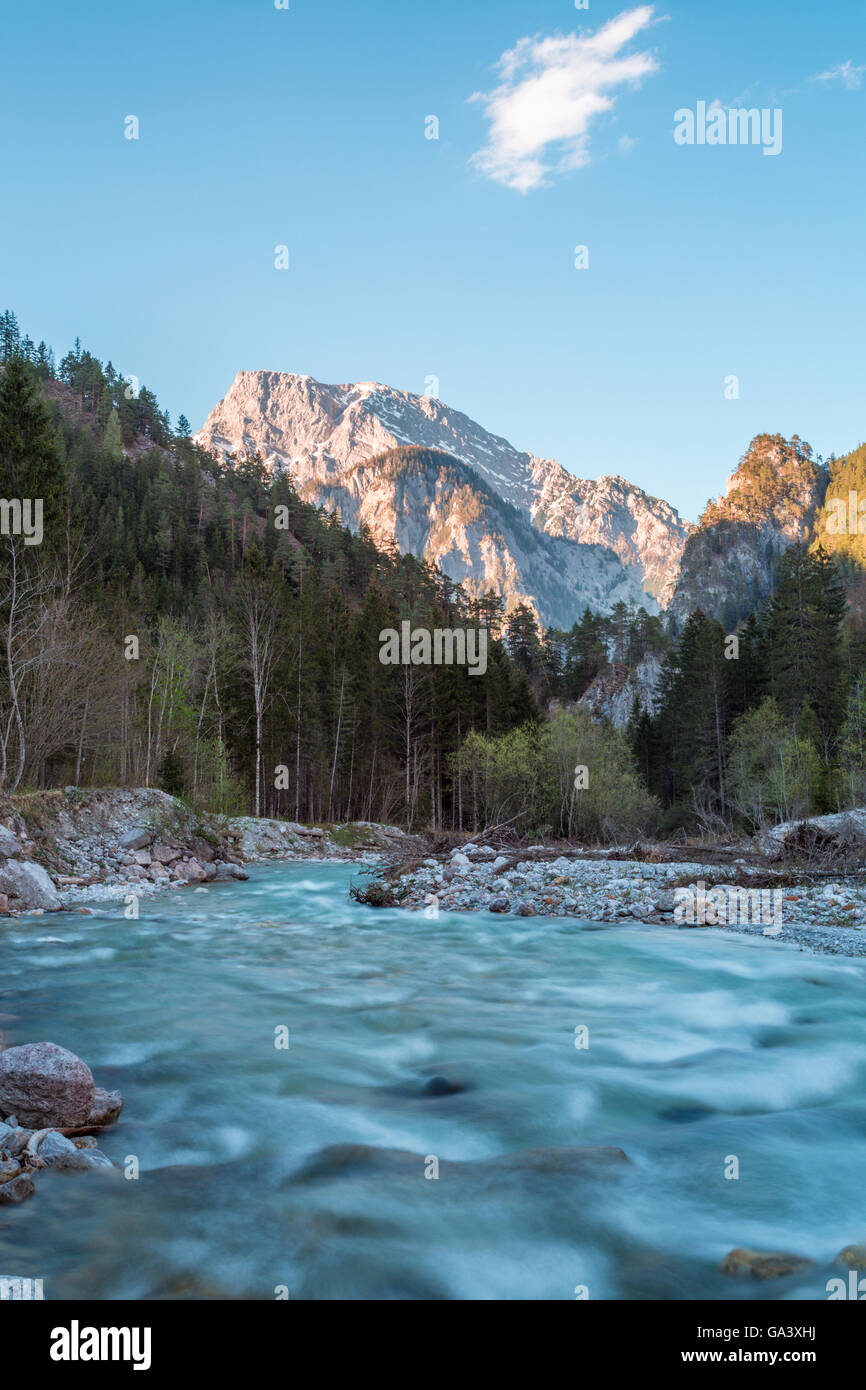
{"type": "Point", "coordinates": [454, 257]}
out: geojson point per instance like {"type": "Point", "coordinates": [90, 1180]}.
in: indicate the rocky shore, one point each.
{"type": "Point", "coordinates": [64, 849]}
{"type": "Point", "coordinates": [49, 1106]}
{"type": "Point", "coordinates": [818, 911]}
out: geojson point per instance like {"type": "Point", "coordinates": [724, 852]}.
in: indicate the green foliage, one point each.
{"type": "Point", "coordinates": [527, 778]}
{"type": "Point", "coordinates": [31, 465]}
{"type": "Point", "coordinates": [753, 738]}
{"type": "Point", "coordinates": [803, 650]}
{"type": "Point", "coordinates": [848, 782]}
{"type": "Point", "coordinates": [773, 773]}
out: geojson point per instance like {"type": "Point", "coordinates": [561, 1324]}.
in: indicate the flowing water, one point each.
{"type": "Point", "coordinates": [704, 1047]}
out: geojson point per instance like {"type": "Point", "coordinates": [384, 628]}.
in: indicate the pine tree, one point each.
{"type": "Point", "coordinates": [804, 642]}
{"type": "Point", "coordinates": [693, 718]}
{"type": "Point", "coordinates": [30, 463]}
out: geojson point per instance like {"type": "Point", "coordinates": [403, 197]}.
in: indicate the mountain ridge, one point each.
{"type": "Point", "coordinates": [319, 432]}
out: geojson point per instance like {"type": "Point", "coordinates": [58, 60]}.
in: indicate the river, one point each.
{"type": "Point", "coordinates": [703, 1047]}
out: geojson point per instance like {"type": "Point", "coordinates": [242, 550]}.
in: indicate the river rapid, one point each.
{"type": "Point", "coordinates": [451, 1039]}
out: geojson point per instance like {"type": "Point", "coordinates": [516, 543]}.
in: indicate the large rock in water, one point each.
{"type": "Point", "coordinates": [45, 1086]}
{"type": "Point", "coordinates": [19, 878]}
{"type": "Point", "coordinates": [762, 1264]}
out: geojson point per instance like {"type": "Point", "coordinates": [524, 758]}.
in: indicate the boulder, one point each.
{"type": "Point", "coordinates": [762, 1264]}
{"type": "Point", "coordinates": [54, 1146]}
{"type": "Point", "coordinates": [190, 871]}
{"type": "Point", "coordinates": [164, 854]}
{"type": "Point", "coordinates": [498, 905]}
{"type": "Point", "coordinates": [46, 1086]}
{"type": "Point", "coordinates": [137, 837]}
{"type": "Point", "coordinates": [9, 844]}
{"type": "Point", "coordinates": [443, 1086]}
{"type": "Point", "coordinates": [107, 1105]}
{"type": "Point", "coordinates": [225, 870]}
{"type": "Point", "coordinates": [80, 1161]}
{"type": "Point", "coordinates": [142, 857]}
{"type": "Point", "coordinates": [17, 1190]}
{"type": "Point", "coordinates": [19, 878]}
{"type": "Point", "coordinates": [4, 905]}
{"type": "Point", "coordinates": [56, 1151]}
{"type": "Point", "coordinates": [9, 1169]}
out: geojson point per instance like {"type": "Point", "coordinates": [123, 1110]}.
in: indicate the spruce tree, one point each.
{"type": "Point", "coordinates": [30, 462]}
{"type": "Point", "coordinates": [804, 642]}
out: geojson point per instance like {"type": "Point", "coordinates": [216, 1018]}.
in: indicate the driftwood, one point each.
{"type": "Point", "coordinates": [83, 1129]}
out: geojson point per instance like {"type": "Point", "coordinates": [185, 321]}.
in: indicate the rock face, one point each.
{"type": "Point", "coordinates": [489, 514]}
{"type": "Point", "coordinates": [611, 695]}
{"type": "Point", "coordinates": [646, 533]}
{"type": "Point", "coordinates": [45, 1086]}
{"type": "Point", "coordinates": [729, 561]}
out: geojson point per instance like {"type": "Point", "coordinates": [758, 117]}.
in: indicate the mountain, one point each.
{"type": "Point", "coordinates": [558, 541]}
{"type": "Point", "coordinates": [730, 560]}
{"type": "Point", "coordinates": [646, 533]}
{"type": "Point", "coordinates": [432, 505]}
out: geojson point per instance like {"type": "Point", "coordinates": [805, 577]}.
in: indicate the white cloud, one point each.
{"type": "Point", "coordinates": [626, 144]}
{"type": "Point", "coordinates": [848, 73]}
{"type": "Point", "coordinates": [551, 91]}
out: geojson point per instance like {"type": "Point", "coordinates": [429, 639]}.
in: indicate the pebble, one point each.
{"type": "Point", "coordinates": [829, 918]}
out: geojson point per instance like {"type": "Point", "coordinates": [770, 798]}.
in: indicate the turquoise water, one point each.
{"type": "Point", "coordinates": [702, 1046]}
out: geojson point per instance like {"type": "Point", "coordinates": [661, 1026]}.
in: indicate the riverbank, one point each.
{"type": "Point", "coordinates": [817, 911]}
{"type": "Point", "coordinates": [75, 848]}
{"type": "Point", "coordinates": [66, 849]}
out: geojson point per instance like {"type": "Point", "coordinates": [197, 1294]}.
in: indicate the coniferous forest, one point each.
{"type": "Point", "coordinates": [198, 626]}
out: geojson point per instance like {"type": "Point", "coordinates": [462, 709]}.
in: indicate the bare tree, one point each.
{"type": "Point", "coordinates": [261, 650]}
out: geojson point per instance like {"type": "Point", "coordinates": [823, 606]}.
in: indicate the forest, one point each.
{"type": "Point", "coordinates": [198, 626]}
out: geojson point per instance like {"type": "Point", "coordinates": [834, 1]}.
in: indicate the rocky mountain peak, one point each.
{"type": "Point", "coordinates": [729, 561]}
{"type": "Point", "coordinates": [323, 435]}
